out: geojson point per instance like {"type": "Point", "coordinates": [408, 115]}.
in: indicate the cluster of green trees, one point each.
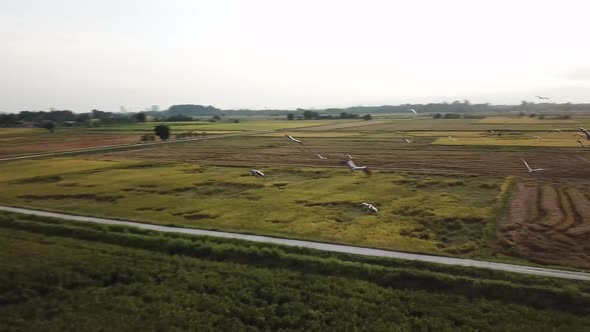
{"type": "Point", "coordinates": [311, 115]}
{"type": "Point", "coordinates": [44, 119]}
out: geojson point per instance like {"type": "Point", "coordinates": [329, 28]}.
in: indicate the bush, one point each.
{"type": "Point", "coordinates": [162, 131]}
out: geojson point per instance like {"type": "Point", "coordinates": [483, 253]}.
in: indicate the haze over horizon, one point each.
{"type": "Point", "coordinates": [294, 54]}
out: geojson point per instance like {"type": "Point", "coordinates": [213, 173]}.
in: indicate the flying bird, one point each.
{"type": "Point", "coordinates": [413, 111]}
{"type": "Point", "coordinates": [408, 140]}
{"type": "Point", "coordinates": [531, 170]}
{"type": "Point", "coordinates": [256, 172]}
{"type": "Point", "coordinates": [542, 98]}
{"type": "Point", "coordinates": [495, 132]}
{"type": "Point", "coordinates": [370, 207]}
{"type": "Point", "coordinates": [354, 167]}
{"type": "Point", "coordinates": [538, 137]}
{"type": "Point", "coordinates": [557, 130]}
{"type": "Point", "coordinates": [452, 139]}
{"type": "Point", "coordinates": [586, 132]}
{"type": "Point", "coordinates": [293, 139]}
{"type": "Point", "coordinates": [582, 144]}
{"type": "Point", "coordinates": [320, 156]}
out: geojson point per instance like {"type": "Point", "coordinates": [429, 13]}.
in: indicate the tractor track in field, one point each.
{"type": "Point", "coordinates": [548, 223]}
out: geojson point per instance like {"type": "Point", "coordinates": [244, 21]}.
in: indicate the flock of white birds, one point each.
{"type": "Point", "coordinates": [353, 167]}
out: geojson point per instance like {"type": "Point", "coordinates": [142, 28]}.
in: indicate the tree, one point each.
{"type": "Point", "coordinates": [309, 115]}
{"type": "Point", "coordinates": [162, 131]}
{"type": "Point", "coordinates": [216, 117]}
{"type": "Point", "coordinates": [367, 117]}
{"type": "Point", "coordinates": [140, 117]}
{"type": "Point", "coordinates": [290, 116]}
{"type": "Point", "coordinates": [437, 116]}
{"type": "Point", "coordinates": [49, 125]}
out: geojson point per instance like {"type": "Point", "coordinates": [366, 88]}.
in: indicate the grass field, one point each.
{"type": "Point", "coordinates": [436, 195]}
{"type": "Point", "coordinates": [518, 132]}
{"type": "Point", "coordinates": [58, 276]}
{"type": "Point", "coordinates": [435, 214]}
{"type": "Point", "coordinates": [14, 141]}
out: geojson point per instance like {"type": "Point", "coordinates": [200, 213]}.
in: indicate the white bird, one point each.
{"type": "Point", "coordinates": [354, 167]}
{"type": "Point", "coordinates": [370, 207]}
{"type": "Point", "coordinates": [531, 170]}
{"type": "Point", "coordinates": [413, 111]}
{"type": "Point", "coordinates": [538, 137]}
{"type": "Point", "coordinates": [452, 139]}
{"type": "Point", "coordinates": [495, 132]}
{"type": "Point", "coordinates": [408, 140]}
{"type": "Point", "coordinates": [320, 156]}
{"type": "Point", "coordinates": [256, 172]}
{"type": "Point", "coordinates": [541, 97]}
{"type": "Point", "coordinates": [557, 130]}
{"type": "Point", "coordinates": [582, 144]}
{"type": "Point", "coordinates": [293, 139]}
{"type": "Point", "coordinates": [586, 133]}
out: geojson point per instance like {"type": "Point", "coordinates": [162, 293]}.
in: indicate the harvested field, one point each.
{"type": "Point", "coordinates": [548, 223]}
{"type": "Point", "coordinates": [392, 154]}
{"type": "Point", "coordinates": [15, 142]}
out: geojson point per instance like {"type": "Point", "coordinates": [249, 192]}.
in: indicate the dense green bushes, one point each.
{"type": "Point", "coordinates": [535, 292]}
{"type": "Point", "coordinates": [64, 284]}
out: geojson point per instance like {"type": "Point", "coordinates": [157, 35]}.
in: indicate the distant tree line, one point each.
{"type": "Point", "coordinates": [189, 112]}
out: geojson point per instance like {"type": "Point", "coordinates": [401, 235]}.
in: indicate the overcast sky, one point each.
{"type": "Point", "coordinates": [80, 55]}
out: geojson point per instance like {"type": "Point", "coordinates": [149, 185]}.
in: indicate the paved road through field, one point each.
{"type": "Point", "coordinates": [320, 246]}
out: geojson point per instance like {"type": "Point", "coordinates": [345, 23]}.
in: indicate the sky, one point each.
{"type": "Point", "coordinates": [268, 54]}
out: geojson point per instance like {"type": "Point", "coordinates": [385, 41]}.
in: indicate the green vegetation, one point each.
{"type": "Point", "coordinates": [162, 131]}
{"type": "Point", "coordinates": [432, 214]}
{"type": "Point", "coordinates": [59, 275]}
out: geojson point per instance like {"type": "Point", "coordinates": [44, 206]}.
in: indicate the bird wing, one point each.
{"type": "Point", "coordinates": [527, 165]}
{"type": "Point", "coordinates": [351, 164]}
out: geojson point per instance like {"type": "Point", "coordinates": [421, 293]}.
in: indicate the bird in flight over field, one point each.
{"type": "Point", "coordinates": [542, 98]}
{"type": "Point", "coordinates": [256, 172]}
{"type": "Point", "coordinates": [293, 139]}
{"type": "Point", "coordinates": [370, 207]}
{"type": "Point", "coordinates": [531, 170]}
{"type": "Point", "coordinates": [413, 111]}
{"type": "Point", "coordinates": [586, 132]}
{"type": "Point", "coordinates": [354, 167]}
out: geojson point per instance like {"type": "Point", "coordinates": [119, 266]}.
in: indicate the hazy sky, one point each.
{"type": "Point", "coordinates": [81, 55]}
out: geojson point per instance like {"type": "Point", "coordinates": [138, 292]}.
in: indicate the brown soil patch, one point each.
{"type": "Point", "coordinates": [561, 163]}
{"type": "Point", "coordinates": [551, 228]}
